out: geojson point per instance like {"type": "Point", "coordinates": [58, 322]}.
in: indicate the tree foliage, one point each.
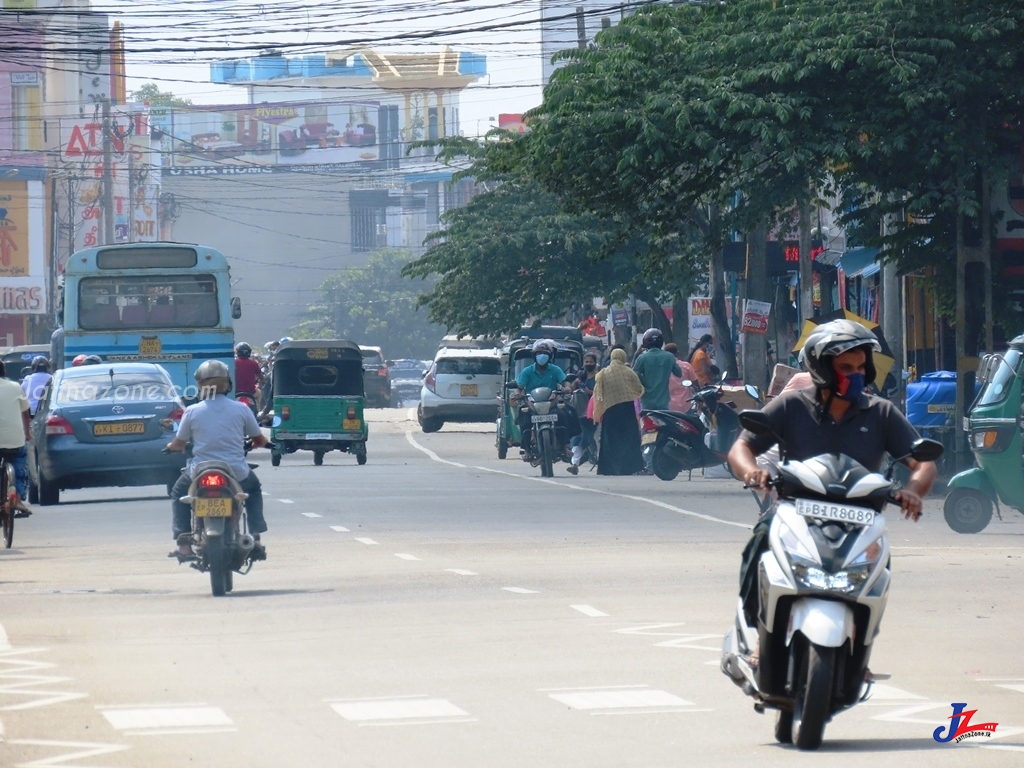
{"type": "Point", "coordinates": [151, 92]}
{"type": "Point", "coordinates": [373, 305]}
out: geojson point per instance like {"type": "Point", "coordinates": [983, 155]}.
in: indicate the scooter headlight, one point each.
{"type": "Point", "coordinates": [845, 581]}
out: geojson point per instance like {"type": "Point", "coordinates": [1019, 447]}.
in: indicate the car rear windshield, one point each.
{"type": "Point", "coordinates": [132, 387]}
{"type": "Point", "coordinates": [470, 366]}
{"type": "Point", "coordinates": [372, 358]}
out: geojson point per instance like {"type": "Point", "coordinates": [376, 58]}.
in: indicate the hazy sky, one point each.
{"type": "Point", "coordinates": [177, 41]}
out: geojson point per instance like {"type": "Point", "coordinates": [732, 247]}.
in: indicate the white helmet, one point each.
{"type": "Point", "coordinates": [831, 339]}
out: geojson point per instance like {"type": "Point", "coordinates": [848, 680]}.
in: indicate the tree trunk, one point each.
{"type": "Point", "coordinates": [724, 348]}
{"type": "Point", "coordinates": [806, 298]}
{"type": "Point", "coordinates": [646, 295]}
{"type": "Point", "coordinates": [755, 358]}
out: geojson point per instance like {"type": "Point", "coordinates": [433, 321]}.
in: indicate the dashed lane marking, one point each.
{"type": "Point", "coordinates": [572, 486]}
{"type": "Point", "coordinates": [587, 610]}
{"type": "Point", "coordinates": [461, 572]}
{"type": "Point", "coordinates": [633, 698]}
{"type": "Point", "coordinates": [339, 528]}
{"type": "Point", "coordinates": [520, 590]}
{"type": "Point", "coordinates": [83, 749]}
{"type": "Point", "coordinates": [406, 710]}
{"type": "Point", "coordinates": [368, 542]}
{"type": "Point", "coordinates": [161, 719]}
{"type": "Point", "coordinates": [286, 501]}
{"type": "Point", "coordinates": [406, 557]}
{"type": "Point", "coordinates": [311, 514]}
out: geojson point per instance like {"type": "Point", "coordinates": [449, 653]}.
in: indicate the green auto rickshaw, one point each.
{"type": "Point", "coordinates": [515, 356]}
{"type": "Point", "coordinates": [994, 431]}
{"type": "Point", "coordinates": [318, 399]}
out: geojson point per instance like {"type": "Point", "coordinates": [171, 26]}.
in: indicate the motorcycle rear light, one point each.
{"type": "Point", "coordinates": [58, 425]}
{"type": "Point", "coordinates": [649, 424]}
{"type": "Point", "coordinates": [286, 413]}
{"type": "Point", "coordinates": [213, 480]}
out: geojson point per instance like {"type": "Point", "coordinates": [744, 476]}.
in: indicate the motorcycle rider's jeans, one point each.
{"type": "Point", "coordinates": [19, 460]}
{"type": "Point", "coordinates": [181, 521]}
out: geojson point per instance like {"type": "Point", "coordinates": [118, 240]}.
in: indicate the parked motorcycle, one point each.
{"type": "Point", "coordinates": [549, 442]}
{"type": "Point", "coordinates": [220, 532]}
{"type": "Point", "coordinates": [676, 441]}
{"type": "Point", "coordinates": [823, 584]}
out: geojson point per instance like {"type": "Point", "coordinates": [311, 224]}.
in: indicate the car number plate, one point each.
{"type": "Point", "coordinates": [318, 435]}
{"type": "Point", "coordinates": [648, 437]}
{"type": "Point", "coordinates": [468, 390]}
{"type": "Point", "coordinates": [539, 419]}
{"type": "Point", "coordinates": [842, 513]}
{"type": "Point", "coordinates": [119, 428]}
{"type": "Point", "coordinates": [212, 507]}
{"type": "Point", "coordinates": [351, 424]}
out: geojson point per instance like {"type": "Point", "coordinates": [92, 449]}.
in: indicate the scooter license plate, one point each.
{"type": "Point", "coordinates": [648, 438]}
{"type": "Point", "coordinates": [541, 418]}
{"type": "Point", "coordinates": [212, 507]}
{"type": "Point", "coordinates": [841, 513]}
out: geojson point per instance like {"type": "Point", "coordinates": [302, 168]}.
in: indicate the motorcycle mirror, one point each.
{"type": "Point", "coordinates": [752, 391]}
{"type": "Point", "coordinates": [926, 450]}
{"type": "Point", "coordinates": [511, 385]}
{"type": "Point", "coordinates": [687, 383]}
{"type": "Point", "coordinates": [276, 422]}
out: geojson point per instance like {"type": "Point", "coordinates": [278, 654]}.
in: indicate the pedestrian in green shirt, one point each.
{"type": "Point", "coordinates": [653, 368]}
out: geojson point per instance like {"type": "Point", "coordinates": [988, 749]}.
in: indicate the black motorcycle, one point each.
{"type": "Point", "coordinates": [675, 441]}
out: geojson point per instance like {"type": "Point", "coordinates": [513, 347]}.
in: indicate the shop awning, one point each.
{"type": "Point", "coordinates": [860, 262]}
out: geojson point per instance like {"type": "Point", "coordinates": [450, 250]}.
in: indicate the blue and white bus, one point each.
{"type": "Point", "coordinates": [165, 303]}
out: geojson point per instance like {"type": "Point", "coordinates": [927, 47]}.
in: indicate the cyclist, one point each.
{"type": "Point", "coordinates": [14, 435]}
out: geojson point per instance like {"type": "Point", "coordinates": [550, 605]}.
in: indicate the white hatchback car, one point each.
{"type": "Point", "coordinates": [462, 385]}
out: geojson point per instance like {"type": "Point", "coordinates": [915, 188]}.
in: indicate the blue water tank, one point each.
{"type": "Point", "coordinates": [931, 401]}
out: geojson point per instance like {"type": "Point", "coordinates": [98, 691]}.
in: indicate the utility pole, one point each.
{"type": "Point", "coordinates": [131, 197]}
{"type": "Point", "coordinates": [108, 177]}
{"type": "Point", "coordinates": [581, 28]}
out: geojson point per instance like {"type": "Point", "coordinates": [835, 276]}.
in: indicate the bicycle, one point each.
{"type": "Point", "coordinates": [8, 498]}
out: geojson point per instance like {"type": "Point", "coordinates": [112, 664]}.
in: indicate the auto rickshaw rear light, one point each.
{"type": "Point", "coordinates": [213, 480]}
{"type": "Point", "coordinates": [351, 414]}
{"type": "Point", "coordinates": [58, 425]}
{"type": "Point", "coordinates": [286, 412]}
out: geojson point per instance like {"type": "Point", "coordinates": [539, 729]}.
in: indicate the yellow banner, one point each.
{"type": "Point", "coordinates": [19, 5]}
{"type": "Point", "coordinates": [14, 251]}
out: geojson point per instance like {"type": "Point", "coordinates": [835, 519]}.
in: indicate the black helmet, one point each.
{"type": "Point", "coordinates": [545, 346]}
{"type": "Point", "coordinates": [213, 373]}
{"type": "Point", "coordinates": [653, 338]}
{"type": "Point", "coordinates": [243, 350]}
{"type": "Point", "coordinates": [93, 360]}
{"type": "Point", "coordinates": [832, 339]}
{"type": "Point", "coordinates": [40, 363]}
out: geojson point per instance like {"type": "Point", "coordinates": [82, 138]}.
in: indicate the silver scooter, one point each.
{"type": "Point", "coordinates": [822, 587]}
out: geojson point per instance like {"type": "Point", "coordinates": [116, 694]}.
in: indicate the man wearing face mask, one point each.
{"type": "Point", "coordinates": [542, 373]}
{"type": "Point", "coordinates": [832, 416]}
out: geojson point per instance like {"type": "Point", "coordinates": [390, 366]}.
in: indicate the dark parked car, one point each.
{"type": "Point", "coordinates": [18, 360]}
{"type": "Point", "coordinates": [406, 381]}
{"type": "Point", "coordinates": [105, 425]}
{"type": "Point", "coordinates": [376, 381]}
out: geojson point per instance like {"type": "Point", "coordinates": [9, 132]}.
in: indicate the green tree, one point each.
{"type": "Point", "coordinates": [373, 305]}
{"type": "Point", "coordinates": [151, 92]}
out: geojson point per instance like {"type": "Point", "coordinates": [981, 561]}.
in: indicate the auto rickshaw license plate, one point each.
{"type": "Point", "coordinates": [648, 437]}
{"type": "Point", "coordinates": [212, 507]}
{"type": "Point", "coordinates": [119, 428]}
{"type": "Point", "coordinates": [468, 390]}
{"type": "Point", "coordinates": [318, 435]}
{"type": "Point", "coordinates": [842, 513]}
{"type": "Point", "coordinates": [351, 424]}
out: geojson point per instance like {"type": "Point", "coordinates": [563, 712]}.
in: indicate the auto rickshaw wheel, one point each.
{"type": "Point", "coordinates": [361, 458]}
{"type": "Point", "coordinates": [967, 510]}
{"type": "Point", "coordinates": [275, 458]}
{"type": "Point", "coordinates": [318, 458]}
{"type": "Point", "coordinates": [502, 447]}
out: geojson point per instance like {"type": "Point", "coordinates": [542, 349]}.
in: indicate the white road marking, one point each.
{"type": "Point", "coordinates": [587, 610]}
{"type": "Point", "coordinates": [883, 693]}
{"type": "Point", "coordinates": [633, 698]}
{"type": "Point", "coordinates": [286, 501]}
{"type": "Point", "coordinates": [5, 643]}
{"type": "Point", "coordinates": [368, 542]}
{"type": "Point", "coordinates": [563, 484]}
{"type": "Point", "coordinates": [85, 749]}
{"type": "Point", "coordinates": [520, 590]}
{"type": "Point", "coordinates": [16, 679]}
{"type": "Point", "coordinates": [1010, 687]}
{"type": "Point", "coordinates": [421, 709]}
{"type": "Point", "coordinates": [173, 718]}
{"type": "Point", "coordinates": [679, 639]}
{"type": "Point", "coordinates": [461, 572]}
{"type": "Point", "coordinates": [406, 557]}
{"type": "Point", "coordinates": [339, 528]}
{"type": "Point", "coordinates": [411, 415]}
{"type": "Point", "coordinates": [311, 514]}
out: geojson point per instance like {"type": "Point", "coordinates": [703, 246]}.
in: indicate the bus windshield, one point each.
{"type": "Point", "coordinates": [124, 302]}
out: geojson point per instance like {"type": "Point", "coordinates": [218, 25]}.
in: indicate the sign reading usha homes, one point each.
{"type": "Point", "coordinates": [22, 247]}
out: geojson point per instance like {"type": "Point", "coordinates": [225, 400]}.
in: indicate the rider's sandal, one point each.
{"type": "Point", "coordinates": [183, 558]}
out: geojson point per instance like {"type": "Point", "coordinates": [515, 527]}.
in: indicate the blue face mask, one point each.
{"type": "Point", "coordinates": [542, 359]}
{"type": "Point", "coordinates": [849, 387]}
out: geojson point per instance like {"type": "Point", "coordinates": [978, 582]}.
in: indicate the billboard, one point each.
{"type": "Point", "coordinates": [22, 248]}
{"type": "Point", "coordinates": [256, 136]}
